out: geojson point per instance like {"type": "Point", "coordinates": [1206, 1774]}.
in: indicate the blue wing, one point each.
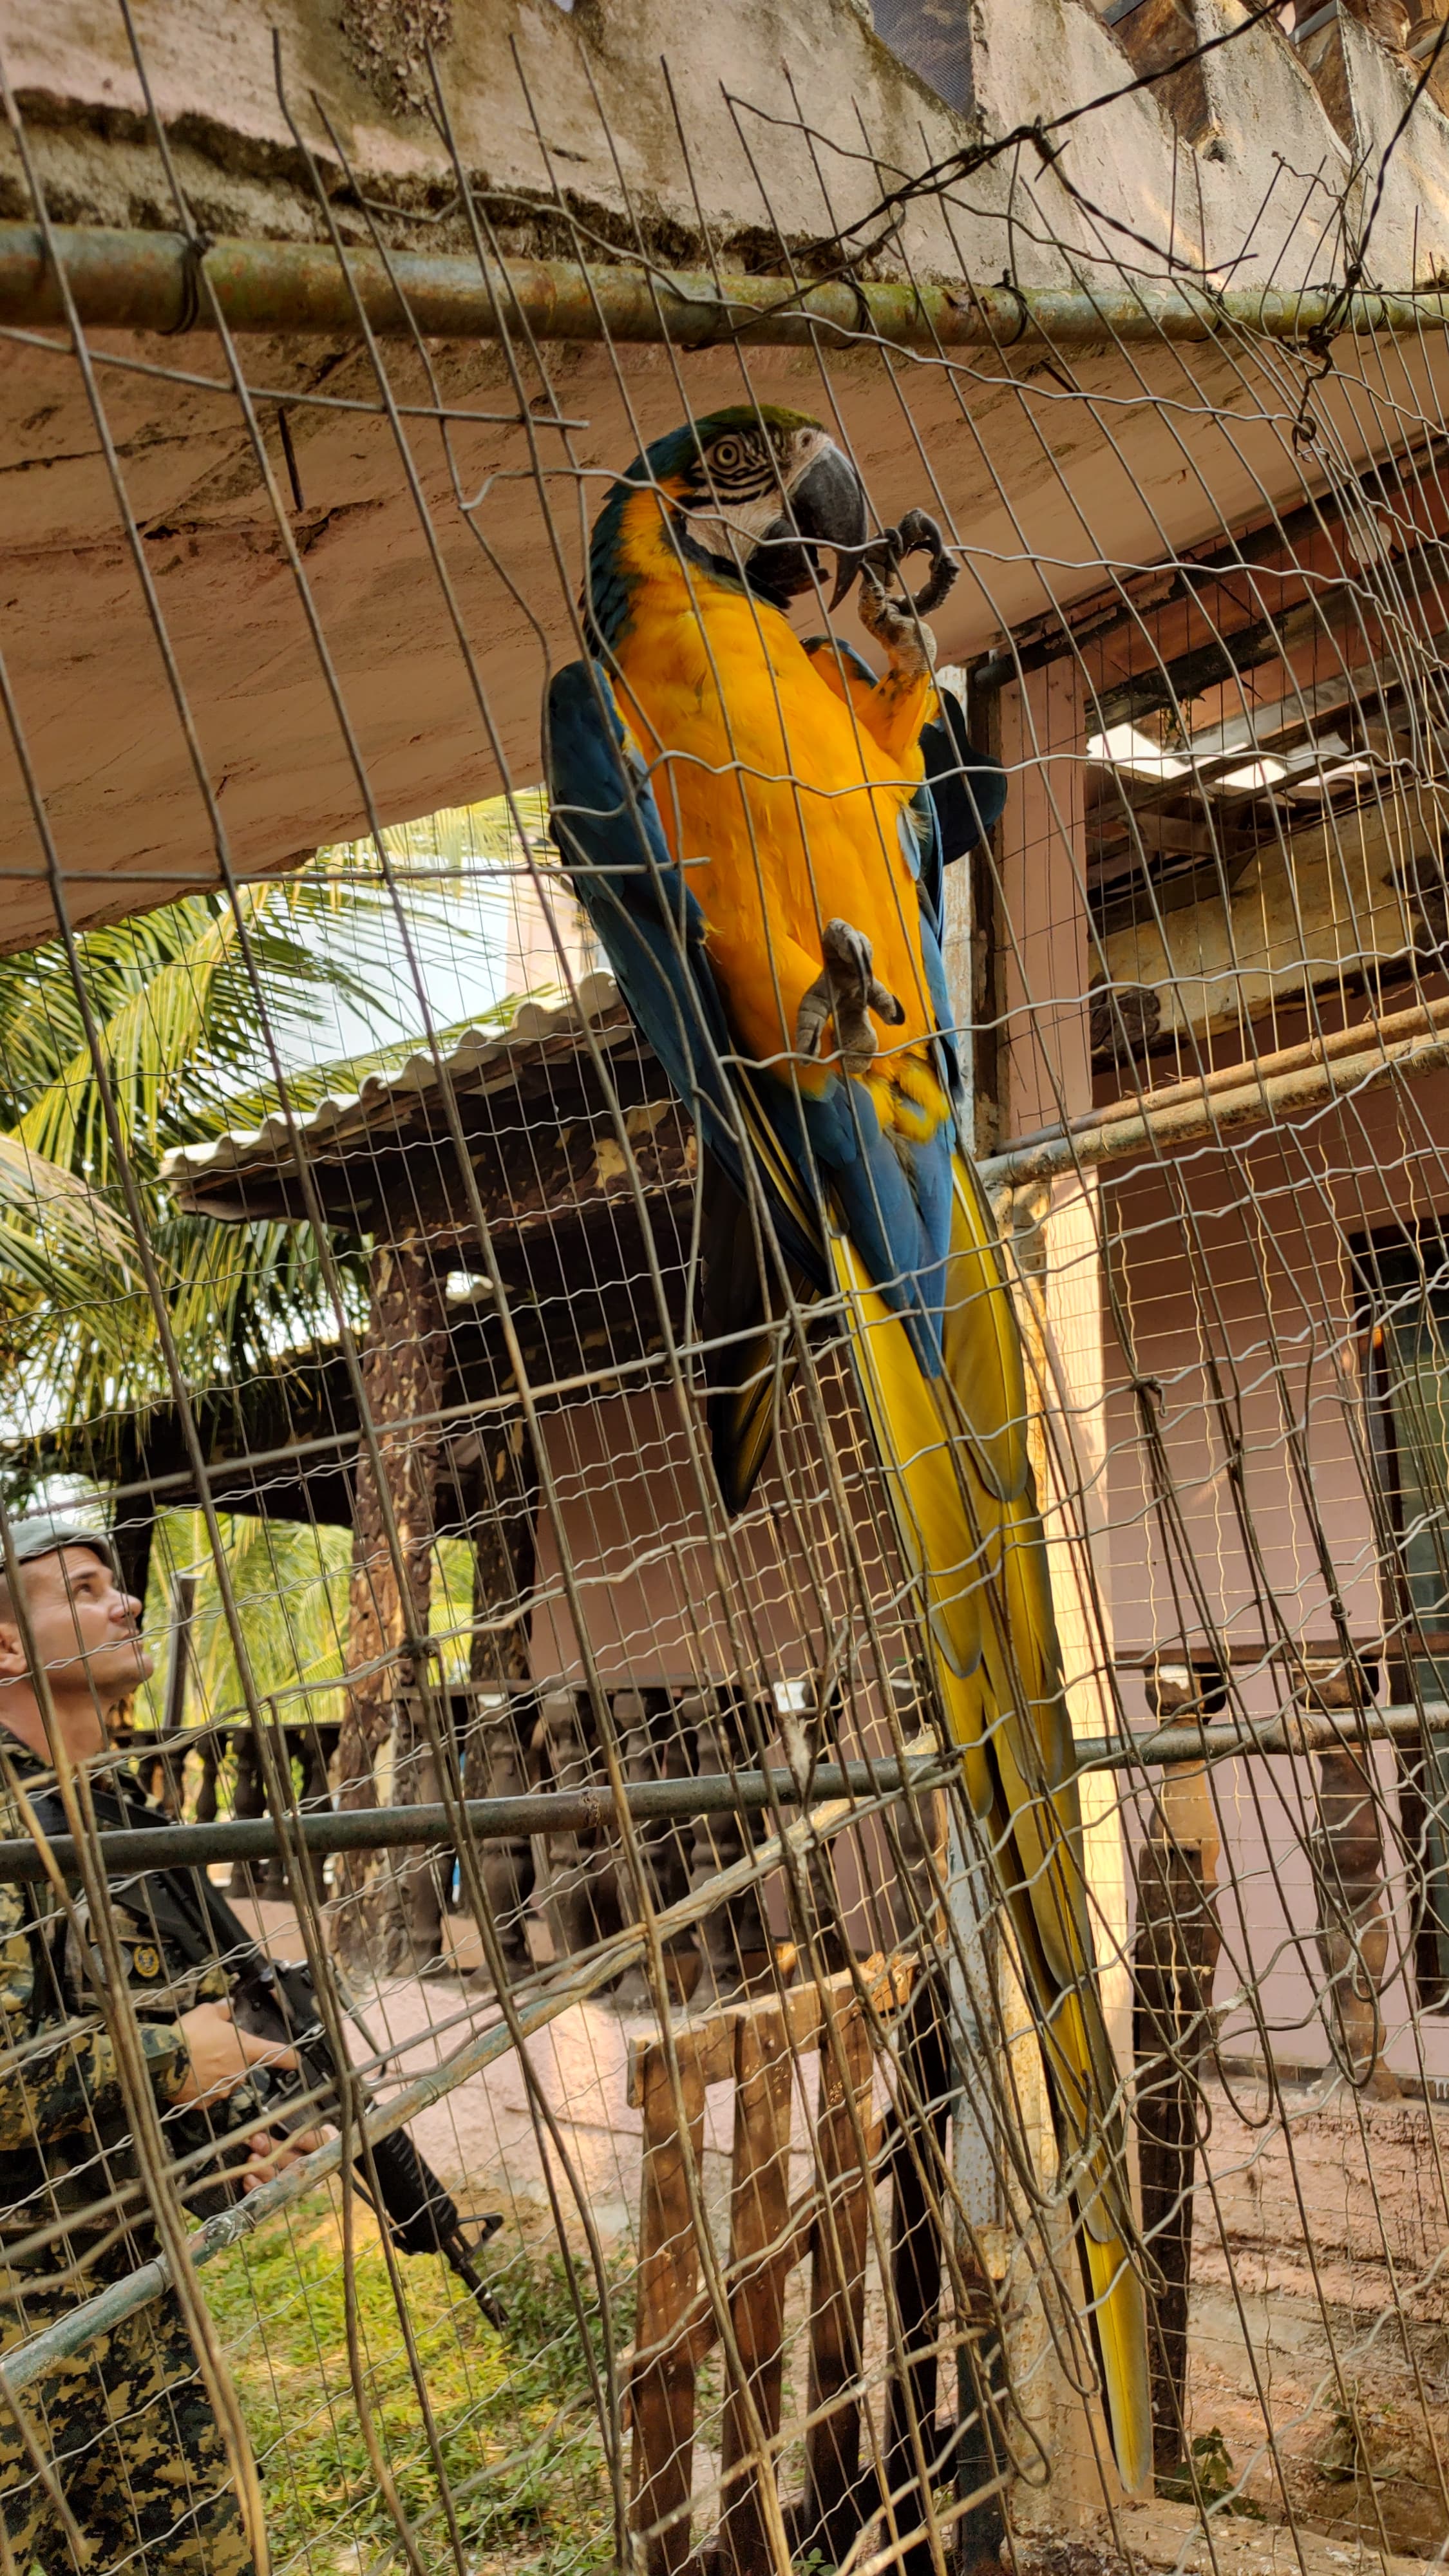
{"type": "Point", "coordinates": [651, 929]}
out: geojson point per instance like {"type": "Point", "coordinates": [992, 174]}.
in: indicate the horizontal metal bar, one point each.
{"type": "Point", "coordinates": [676, 1801]}
{"type": "Point", "coordinates": [1298, 1732]}
{"type": "Point", "coordinates": [153, 281]}
{"type": "Point", "coordinates": [1313, 1086]}
{"type": "Point", "coordinates": [548, 1811]}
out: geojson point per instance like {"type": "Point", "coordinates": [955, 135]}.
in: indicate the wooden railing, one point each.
{"type": "Point", "coordinates": [756, 2046]}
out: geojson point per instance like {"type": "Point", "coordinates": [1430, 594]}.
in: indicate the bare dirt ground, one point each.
{"type": "Point", "coordinates": [487, 2138]}
{"type": "Point", "coordinates": [1321, 2308]}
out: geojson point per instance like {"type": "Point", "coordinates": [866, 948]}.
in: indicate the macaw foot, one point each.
{"type": "Point", "coordinates": [845, 991]}
{"type": "Point", "coordinates": [896, 623]}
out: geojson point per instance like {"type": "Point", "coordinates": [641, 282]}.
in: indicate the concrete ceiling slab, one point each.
{"type": "Point", "coordinates": [341, 683]}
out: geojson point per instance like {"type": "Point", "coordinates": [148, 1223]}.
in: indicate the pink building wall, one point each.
{"type": "Point", "coordinates": [1230, 1289]}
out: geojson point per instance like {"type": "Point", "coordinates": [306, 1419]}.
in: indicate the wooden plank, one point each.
{"type": "Point", "coordinates": [918, 2166]}
{"type": "Point", "coordinates": [756, 2043]}
{"type": "Point", "coordinates": [712, 2042]}
{"type": "Point", "coordinates": [834, 2504]}
{"type": "Point", "coordinates": [707, 2046]}
{"type": "Point", "coordinates": [760, 2260]}
{"type": "Point", "coordinates": [1174, 1958]}
{"type": "Point", "coordinates": [1301, 707]}
{"type": "Point", "coordinates": [1162, 836]}
{"type": "Point", "coordinates": [661, 2388]}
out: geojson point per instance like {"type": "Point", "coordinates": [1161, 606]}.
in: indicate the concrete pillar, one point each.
{"type": "Point", "coordinates": [1043, 933]}
{"type": "Point", "coordinates": [1044, 970]}
{"type": "Point", "coordinates": [404, 1364]}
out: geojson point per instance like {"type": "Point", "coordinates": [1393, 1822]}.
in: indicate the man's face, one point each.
{"type": "Point", "coordinates": [84, 1628]}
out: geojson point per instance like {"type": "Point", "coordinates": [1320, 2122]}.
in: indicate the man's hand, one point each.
{"type": "Point", "coordinates": [271, 2151]}
{"type": "Point", "coordinates": [221, 2055]}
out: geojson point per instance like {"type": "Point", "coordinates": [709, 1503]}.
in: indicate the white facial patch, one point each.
{"type": "Point", "coordinates": [743, 522]}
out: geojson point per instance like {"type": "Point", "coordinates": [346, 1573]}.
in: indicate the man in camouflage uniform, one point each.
{"type": "Point", "coordinates": [137, 2471]}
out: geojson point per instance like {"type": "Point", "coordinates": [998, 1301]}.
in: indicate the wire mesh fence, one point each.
{"type": "Point", "coordinates": [775, 1396]}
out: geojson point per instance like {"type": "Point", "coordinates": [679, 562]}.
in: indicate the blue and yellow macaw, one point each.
{"type": "Point", "coordinates": [748, 823]}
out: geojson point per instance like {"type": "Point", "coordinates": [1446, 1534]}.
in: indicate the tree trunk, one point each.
{"type": "Point", "coordinates": [206, 1786]}
{"type": "Point", "coordinates": [404, 1363]}
{"type": "Point", "coordinates": [248, 1801]}
{"type": "Point", "coordinates": [500, 1758]}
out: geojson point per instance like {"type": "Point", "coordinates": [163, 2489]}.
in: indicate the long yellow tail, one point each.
{"type": "Point", "coordinates": [954, 1454]}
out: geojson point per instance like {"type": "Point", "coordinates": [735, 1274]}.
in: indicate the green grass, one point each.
{"type": "Point", "coordinates": [513, 2411]}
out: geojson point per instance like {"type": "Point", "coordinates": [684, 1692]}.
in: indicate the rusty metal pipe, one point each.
{"type": "Point", "coordinates": [1356, 1039]}
{"type": "Point", "coordinates": [544, 1811]}
{"type": "Point", "coordinates": [156, 281]}
{"type": "Point", "coordinates": [673, 1801]}
{"type": "Point", "coordinates": [1298, 1733]}
{"type": "Point", "coordinates": [1313, 1086]}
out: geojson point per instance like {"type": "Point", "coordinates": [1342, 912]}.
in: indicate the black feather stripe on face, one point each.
{"type": "Point", "coordinates": [740, 464]}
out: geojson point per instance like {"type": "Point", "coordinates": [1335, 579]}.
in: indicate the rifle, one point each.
{"type": "Point", "coordinates": [275, 1999]}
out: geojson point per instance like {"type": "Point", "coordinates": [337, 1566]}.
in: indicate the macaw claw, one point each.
{"type": "Point", "coordinates": [898, 623]}
{"type": "Point", "coordinates": [917, 534]}
{"type": "Point", "coordinates": [845, 991]}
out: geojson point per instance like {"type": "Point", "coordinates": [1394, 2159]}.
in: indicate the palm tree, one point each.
{"type": "Point", "coordinates": [189, 1002]}
{"type": "Point", "coordinates": [289, 1581]}
{"type": "Point", "coordinates": [180, 1016]}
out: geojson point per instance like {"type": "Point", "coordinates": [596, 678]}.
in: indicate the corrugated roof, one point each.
{"type": "Point", "coordinates": [482, 1060]}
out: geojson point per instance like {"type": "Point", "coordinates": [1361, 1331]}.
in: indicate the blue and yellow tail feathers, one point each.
{"type": "Point", "coordinates": [953, 1451]}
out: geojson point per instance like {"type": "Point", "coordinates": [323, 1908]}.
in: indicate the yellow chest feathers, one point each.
{"type": "Point", "coordinates": [715, 672]}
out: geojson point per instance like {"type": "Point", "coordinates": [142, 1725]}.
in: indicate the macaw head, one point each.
{"type": "Point", "coordinates": [753, 491]}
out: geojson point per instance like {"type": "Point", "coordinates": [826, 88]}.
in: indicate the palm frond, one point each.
{"type": "Point", "coordinates": [181, 1015]}
{"type": "Point", "coordinates": [193, 1005]}
{"type": "Point", "coordinates": [56, 1232]}
{"type": "Point", "coordinates": [289, 1582]}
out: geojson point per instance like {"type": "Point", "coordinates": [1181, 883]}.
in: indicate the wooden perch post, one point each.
{"type": "Point", "coordinates": [1175, 1959]}
{"type": "Point", "coordinates": [403, 1365]}
{"type": "Point", "coordinates": [1347, 1853]}
{"type": "Point", "coordinates": [757, 2046]}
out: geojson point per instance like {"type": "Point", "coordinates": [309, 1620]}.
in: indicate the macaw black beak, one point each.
{"type": "Point", "coordinates": [828, 508]}
{"type": "Point", "coordinates": [825, 508]}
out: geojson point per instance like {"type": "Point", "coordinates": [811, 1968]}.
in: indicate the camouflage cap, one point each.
{"type": "Point", "coordinates": [47, 1535]}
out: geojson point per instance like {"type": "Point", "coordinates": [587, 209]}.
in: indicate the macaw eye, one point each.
{"type": "Point", "coordinates": [740, 466]}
